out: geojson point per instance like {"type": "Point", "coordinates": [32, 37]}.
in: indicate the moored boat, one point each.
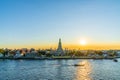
{"type": "Point", "coordinates": [78, 65]}
{"type": "Point", "coordinates": [115, 60]}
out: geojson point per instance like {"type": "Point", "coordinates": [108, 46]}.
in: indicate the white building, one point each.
{"type": "Point", "coordinates": [1, 55]}
{"type": "Point", "coordinates": [32, 54]}
{"type": "Point", "coordinates": [18, 54]}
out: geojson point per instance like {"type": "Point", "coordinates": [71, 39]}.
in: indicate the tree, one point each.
{"type": "Point", "coordinates": [2, 51]}
{"type": "Point", "coordinates": [48, 55]}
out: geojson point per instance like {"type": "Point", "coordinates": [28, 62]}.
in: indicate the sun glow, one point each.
{"type": "Point", "coordinates": [82, 42]}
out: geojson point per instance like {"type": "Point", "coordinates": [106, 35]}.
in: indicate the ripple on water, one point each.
{"type": "Point", "coordinates": [59, 70]}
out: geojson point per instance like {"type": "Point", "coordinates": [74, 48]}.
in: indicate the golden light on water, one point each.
{"type": "Point", "coordinates": [83, 71]}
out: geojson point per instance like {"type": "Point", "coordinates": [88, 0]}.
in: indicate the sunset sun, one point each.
{"type": "Point", "coordinates": [82, 42]}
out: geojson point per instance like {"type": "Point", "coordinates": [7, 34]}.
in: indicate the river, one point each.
{"type": "Point", "coordinates": [59, 69]}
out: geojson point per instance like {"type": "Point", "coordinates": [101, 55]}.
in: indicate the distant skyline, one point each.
{"type": "Point", "coordinates": [40, 23]}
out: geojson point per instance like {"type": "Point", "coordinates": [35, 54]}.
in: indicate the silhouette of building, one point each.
{"type": "Point", "coordinates": [59, 50]}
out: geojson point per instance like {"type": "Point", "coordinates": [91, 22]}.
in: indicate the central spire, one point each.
{"type": "Point", "coordinates": [59, 44]}
{"type": "Point", "coordinates": [59, 49]}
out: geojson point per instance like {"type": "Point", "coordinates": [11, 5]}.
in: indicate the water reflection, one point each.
{"type": "Point", "coordinates": [83, 72]}
{"type": "Point", "coordinates": [59, 70]}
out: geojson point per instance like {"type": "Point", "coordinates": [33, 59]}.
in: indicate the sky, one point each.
{"type": "Point", "coordinates": [40, 23]}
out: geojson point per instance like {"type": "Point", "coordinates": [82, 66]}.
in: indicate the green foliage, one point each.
{"type": "Point", "coordinates": [99, 53]}
{"type": "Point", "coordinates": [2, 51]}
{"type": "Point", "coordinates": [42, 52]}
{"type": "Point", "coordinates": [79, 54]}
{"type": "Point", "coordinates": [48, 55]}
{"type": "Point", "coordinates": [112, 53]}
{"type": "Point", "coordinates": [70, 54]}
{"type": "Point", "coordinates": [39, 54]}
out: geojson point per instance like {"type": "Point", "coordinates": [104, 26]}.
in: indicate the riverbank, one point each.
{"type": "Point", "coordinates": [56, 57]}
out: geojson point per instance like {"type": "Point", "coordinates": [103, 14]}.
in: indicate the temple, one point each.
{"type": "Point", "coordinates": [59, 50]}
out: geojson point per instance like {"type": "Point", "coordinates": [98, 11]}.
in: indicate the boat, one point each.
{"type": "Point", "coordinates": [115, 60]}
{"type": "Point", "coordinates": [78, 65]}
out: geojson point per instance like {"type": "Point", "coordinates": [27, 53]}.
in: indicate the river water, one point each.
{"type": "Point", "coordinates": [59, 69]}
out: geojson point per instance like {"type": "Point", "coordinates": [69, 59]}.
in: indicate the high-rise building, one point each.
{"type": "Point", "coordinates": [59, 49]}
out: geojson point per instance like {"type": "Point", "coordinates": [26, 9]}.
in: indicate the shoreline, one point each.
{"type": "Point", "coordinates": [50, 58]}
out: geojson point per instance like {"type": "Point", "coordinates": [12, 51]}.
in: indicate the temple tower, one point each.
{"type": "Point", "coordinates": [59, 49]}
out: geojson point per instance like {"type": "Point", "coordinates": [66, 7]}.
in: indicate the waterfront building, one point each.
{"type": "Point", "coordinates": [8, 54]}
{"type": "Point", "coordinates": [59, 50]}
{"type": "Point", "coordinates": [118, 53]}
{"type": "Point", "coordinates": [1, 55]}
{"type": "Point", "coordinates": [32, 54]}
{"type": "Point", "coordinates": [18, 54]}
